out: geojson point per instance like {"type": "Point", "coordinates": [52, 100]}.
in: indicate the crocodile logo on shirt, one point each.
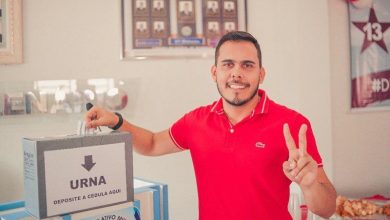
{"type": "Point", "coordinates": [260, 145]}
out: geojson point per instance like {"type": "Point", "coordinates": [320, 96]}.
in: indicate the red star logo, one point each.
{"type": "Point", "coordinates": [373, 30]}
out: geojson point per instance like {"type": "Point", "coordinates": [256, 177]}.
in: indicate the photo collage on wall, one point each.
{"type": "Point", "coordinates": [196, 23]}
{"type": "Point", "coordinates": [150, 23]}
{"type": "Point", "coordinates": [220, 17]}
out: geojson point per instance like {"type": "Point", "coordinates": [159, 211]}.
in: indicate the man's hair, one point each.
{"type": "Point", "coordinates": [238, 36]}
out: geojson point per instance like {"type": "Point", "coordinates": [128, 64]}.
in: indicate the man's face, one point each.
{"type": "Point", "coordinates": [238, 73]}
{"type": "Point", "coordinates": [186, 7]}
{"type": "Point", "coordinates": [158, 4]}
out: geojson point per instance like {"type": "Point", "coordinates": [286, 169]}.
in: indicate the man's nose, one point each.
{"type": "Point", "coordinates": [236, 72]}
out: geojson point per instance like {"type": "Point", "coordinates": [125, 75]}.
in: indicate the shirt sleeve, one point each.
{"type": "Point", "coordinates": [178, 132]}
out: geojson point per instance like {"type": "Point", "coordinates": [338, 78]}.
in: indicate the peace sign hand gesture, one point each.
{"type": "Point", "coordinates": [300, 167]}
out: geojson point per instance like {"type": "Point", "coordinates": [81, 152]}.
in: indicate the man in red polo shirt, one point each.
{"type": "Point", "coordinates": [246, 149]}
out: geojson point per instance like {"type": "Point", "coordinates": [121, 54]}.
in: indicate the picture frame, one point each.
{"type": "Point", "coordinates": [186, 9]}
{"type": "Point", "coordinates": [177, 28]}
{"type": "Point", "coordinates": [229, 8]}
{"type": "Point", "coordinates": [11, 32]}
{"type": "Point", "coordinates": [159, 8]}
{"type": "Point", "coordinates": [212, 8]}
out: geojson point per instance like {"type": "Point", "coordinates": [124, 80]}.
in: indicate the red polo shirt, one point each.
{"type": "Point", "coordinates": [238, 167]}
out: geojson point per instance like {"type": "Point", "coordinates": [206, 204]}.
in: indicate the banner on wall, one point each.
{"type": "Point", "coordinates": [370, 54]}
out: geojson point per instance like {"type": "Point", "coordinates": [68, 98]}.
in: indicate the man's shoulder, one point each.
{"type": "Point", "coordinates": [201, 111]}
{"type": "Point", "coordinates": [285, 112]}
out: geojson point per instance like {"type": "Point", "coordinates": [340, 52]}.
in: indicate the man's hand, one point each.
{"type": "Point", "coordinates": [100, 117]}
{"type": "Point", "coordinates": [300, 167]}
{"type": "Point", "coordinates": [318, 191]}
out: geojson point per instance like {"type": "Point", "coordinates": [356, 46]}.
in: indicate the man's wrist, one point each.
{"type": "Point", "coordinates": [315, 185]}
{"type": "Point", "coordinates": [120, 122]}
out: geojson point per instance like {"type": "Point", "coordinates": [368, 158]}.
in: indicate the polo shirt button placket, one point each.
{"type": "Point", "coordinates": [231, 128]}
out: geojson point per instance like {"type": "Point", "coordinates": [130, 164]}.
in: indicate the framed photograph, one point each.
{"type": "Point", "coordinates": [229, 8]}
{"type": "Point", "coordinates": [160, 28]}
{"type": "Point", "coordinates": [229, 26]}
{"type": "Point", "coordinates": [141, 28]}
{"type": "Point", "coordinates": [141, 32]}
{"type": "Point", "coordinates": [10, 31]}
{"type": "Point", "coordinates": [140, 8]}
{"type": "Point", "coordinates": [177, 28]}
{"type": "Point", "coordinates": [213, 28]}
{"type": "Point", "coordinates": [186, 10]}
{"type": "Point", "coordinates": [159, 8]}
{"type": "Point", "coordinates": [213, 8]}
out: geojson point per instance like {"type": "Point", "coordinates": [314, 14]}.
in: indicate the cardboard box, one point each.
{"type": "Point", "coordinates": [162, 189]}
{"type": "Point", "coordinates": [77, 173]}
{"type": "Point", "coordinates": [150, 203]}
{"type": "Point", "coordinates": [124, 211]}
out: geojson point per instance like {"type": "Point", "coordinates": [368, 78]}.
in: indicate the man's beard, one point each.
{"type": "Point", "coordinates": [236, 101]}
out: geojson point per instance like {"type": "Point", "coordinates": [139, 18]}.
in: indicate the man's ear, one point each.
{"type": "Point", "coordinates": [213, 72]}
{"type": "Point", "coordinates": [262, 74]}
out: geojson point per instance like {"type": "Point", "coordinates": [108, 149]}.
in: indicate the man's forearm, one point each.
{"type": "Point", "coordinates": [142, 138]}
{"type": "Point", "coordinates": [320, 199]}
{"type": "Point", "coordinates": [149, 143]}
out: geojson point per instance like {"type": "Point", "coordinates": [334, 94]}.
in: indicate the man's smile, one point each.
{"type": "Point", "coordinates": [235, 85]}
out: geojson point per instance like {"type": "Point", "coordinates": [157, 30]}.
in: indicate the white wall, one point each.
{"type": "Point", "coordinates": [81, 39]}
{"type": "Point", "coordinates": [361, 141]}
{"type": "Point", "coordinates": [295, 41]}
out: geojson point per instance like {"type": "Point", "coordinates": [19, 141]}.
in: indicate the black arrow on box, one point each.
{"type": "Point", "coordinates": [88, 162]}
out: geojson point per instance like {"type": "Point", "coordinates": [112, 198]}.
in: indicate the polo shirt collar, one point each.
{"type": "Point", "coordinates": [261, 107]}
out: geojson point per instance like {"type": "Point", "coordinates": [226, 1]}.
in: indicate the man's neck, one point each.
{"type": "Point", "coordinates": [236, 114]}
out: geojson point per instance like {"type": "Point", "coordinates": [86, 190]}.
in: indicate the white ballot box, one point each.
{"type": "Point", "coordinates": [77, 173]}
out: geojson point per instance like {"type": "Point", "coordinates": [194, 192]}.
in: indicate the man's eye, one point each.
{"type": "Point", "coordinates": [248, 65]}
{"type": "Point", "coordinates": [228, 64]}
